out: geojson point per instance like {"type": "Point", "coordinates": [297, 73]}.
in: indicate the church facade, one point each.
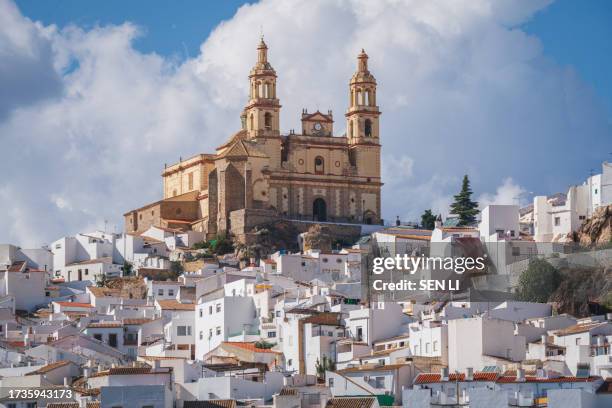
{"type": "Point", "coordinates": [260, 174]}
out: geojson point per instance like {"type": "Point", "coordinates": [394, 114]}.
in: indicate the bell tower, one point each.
{"type": "Point", "coordinates": [261, 115]}
{"type": "Point", "coordinates": [362, 115]}
{"type": "Point", "coordinates": [362, 122]}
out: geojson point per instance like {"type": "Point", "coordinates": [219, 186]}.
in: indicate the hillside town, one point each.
{"type": "Point", "coordinates": [246, 285]}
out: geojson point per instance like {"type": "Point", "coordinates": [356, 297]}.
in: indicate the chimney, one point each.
{"type": "Point", "coordinates": [544, 339]}
{"type": "Point", "coordinates": [600, 340]}
{"type": "Point", "coordinates": [100, 368]}
{"type": "Point", "coordinates": [156, 364]}
{"type": "Point", "coordinates": [520, 375]}
{"type": "Point", "coordinates": [469, 374]}
{"type": "Point", "coordinates": [66, 382]}
{"type": "Point", "coordinates": [444, 374]}
{"type": "Point", "coordinates": [86, 372]}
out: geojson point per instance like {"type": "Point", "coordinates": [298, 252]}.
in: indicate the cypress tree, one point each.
{"type": "Point", "coordinates": [464, 207]}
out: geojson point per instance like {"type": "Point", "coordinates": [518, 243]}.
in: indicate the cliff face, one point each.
{"type": "Point", "coordinates": [597, 230]}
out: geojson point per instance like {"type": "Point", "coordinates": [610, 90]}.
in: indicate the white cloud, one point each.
{"type": "Point", "coordinates": [507, 193]}
{"type": "Point", "coordinates": [88, 118]}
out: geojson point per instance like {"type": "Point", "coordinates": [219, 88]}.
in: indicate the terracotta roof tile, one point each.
{"type": "Point", "coordinates": [75, 304]}
{"type": "Point", "coordinates": [351, 402]}
{"type": "Point", "coordinates": [105, 325]}
{"type": "Point", "coordinates": [50, 367]}
{"type": "Point", "coordinates": [210, 404]}
{"type": "Point", "coordinates": [175, 305]}
{"type": "Point", "coordinates": [249, 347]}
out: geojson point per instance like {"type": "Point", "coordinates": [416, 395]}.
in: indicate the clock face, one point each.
{"type": "Point", "coordinates": [317, 126]}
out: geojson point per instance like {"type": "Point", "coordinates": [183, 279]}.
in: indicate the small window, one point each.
{"type": "Point", "coordinates": [210, 309]}
{"type": "Point", "coordinates": [201, 313]}
{"type": "Point", "coordinates": [325, 260]}
{"type": "Point", "coordinates": [218, 331]}
{"type": "Point", "coordinates": [557, 221]}
{"type": "Point", "coordinates": [271, 334]}
{"type": "Point", "coordinates": [218, 307]}
{"type": "Point", "coordinates": [201, 335]}
{"type": "Point", "coordinates": [319, 165]}
{"type": "Point", "coordinates": [368, 128]}
{"type": "Point", "coordinates": [268, 120]}
{"type": "Point", "coordinates": [516, 251]}
{"type": "Point", "coordinates": [160, 292]}
{"type": "Point", "coordinates": [170, 292]}
{"type": "Point", "coordinates": [330, 382]}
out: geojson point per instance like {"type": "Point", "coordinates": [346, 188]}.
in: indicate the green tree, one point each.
{"type": "Point", "coordinates": [322, 366]}
{"type": "Point", "coordinates": [127, 268]}
{"type": "Point", "coordinates": [464, 207]}
{"type": "Point", "coordinates": [222, 246]}
{"type": "Point", "coordinates": [428, 220]}
{"type": "Point", "coordinates": [101, 280]}
{"type": "Point", "coordinates": [176, 269]}
{"type": "Point", "coordinates": [538, 281]}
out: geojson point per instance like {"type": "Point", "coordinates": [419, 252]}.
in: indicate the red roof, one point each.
{"type": "Point", "coordinates": [75, 304]}
{"type": "Point", "coordinates": [249, 347]}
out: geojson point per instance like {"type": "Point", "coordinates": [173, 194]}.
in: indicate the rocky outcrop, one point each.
{"type": "Point", "coordinates": [597, 230]}
{"type": "Point", "coordinates": [318, 237]}
{"type": "Point", "coordinates": [584, 292]}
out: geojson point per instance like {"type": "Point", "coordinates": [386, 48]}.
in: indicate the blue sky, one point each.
{"type": "Point", "coordinates": [95, 96]}
{"type": "Point", "coordinates": [573, 32]}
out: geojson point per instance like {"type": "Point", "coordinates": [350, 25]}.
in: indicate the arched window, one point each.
{"type": "Point", "coordinates": [319, 165]}
{"type": "Point", "coordinates": [257, 89]}
{"type": "Point", "coordinates": [252, 122]}
{"type": "Point", "coordinates": [268, 120]}
{"type": "Point", "coordinates": [351, 129]}
{"type": "Point", "coordinates": [368, 128]}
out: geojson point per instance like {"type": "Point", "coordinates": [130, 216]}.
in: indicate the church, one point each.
{"type": "Point", "coordinates": [260, 175]}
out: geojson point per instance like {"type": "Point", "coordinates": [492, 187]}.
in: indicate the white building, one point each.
{"type": "Point", "coordinates": [478, 342]}
{"type": "Point", "coordinates": [502, 221]}
{"type": "Point", "coordinates": [219, 317]}
{"type": "Point", "coordinates": [553, 221]}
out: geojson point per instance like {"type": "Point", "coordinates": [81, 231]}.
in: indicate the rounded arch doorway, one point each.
{"type": "Point", "coordinates": [319, 210]}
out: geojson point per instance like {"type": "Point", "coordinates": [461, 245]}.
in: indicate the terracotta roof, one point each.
{"type": "Point", "coordinates": [91, 404]}
{"type": "Point", "coordinates": [16, 266]}
{"type": "Point", "coordinates": [351, 402]}
{"type": "Point", "coordinates": [459, 229]}
{"type": "Point", "coordinates": [210, 404]}
{"type": "Point", "coordinates": [372, 367]}
{"type": "Point", "coordinates": [75, 304]}
{"type": "Point", "coordinates": [137, 322]}
{"type": "Point", "coordinates": [50, 367]}
{"type": "Point", "coordinates": [107, 259]}
{"type": "Point", "coordinates": [249, 347]}
{"type": "Point", "coordinates": [288, 391]}
{"type": "Point", "coordinates": [175, 305]}
{"type": "Point", "coordinates": [157, 282]}
{"type": "Point", "coordinates": [427, 378]}
{"type": "Point", "coordinates": [104, 325]}
{"type": "Point", "coordinates": [130, 371]}
{"type": "Point", "coordinates": [579, 328]}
